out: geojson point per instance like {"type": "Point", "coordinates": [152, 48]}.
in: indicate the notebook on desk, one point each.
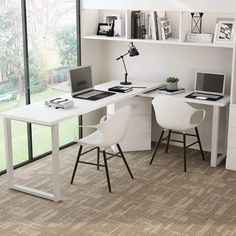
{"type": "Point", "coordinates": [208, 86]}
{"type": "Point", "coordinates": [82, 86]}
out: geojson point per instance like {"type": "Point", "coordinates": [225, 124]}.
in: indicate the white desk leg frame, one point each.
{"type": "Point", "coordinates": [215, 159]}
{"type": "Point", "coordinates": [56, 196]}
{"type": "Point", "coordinates": [9, 154]}
{"type": "Point", "coordinates": [55, 163]}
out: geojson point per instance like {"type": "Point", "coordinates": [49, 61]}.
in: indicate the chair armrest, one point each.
{"type": "Point", "coordinates": [200, 119]}
{"type": "Point", "coordinates": [83, 126]}
{"type": "Point", "coordinates": [103, 118]}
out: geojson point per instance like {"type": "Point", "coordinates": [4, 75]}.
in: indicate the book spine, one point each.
{"type": "Point", "coordinates": [134, 24]}
{"type": "Point", "coordinates": [142, 27]}
{"type": "Point", "coordinates": [147, 26]}
{"type": "Point", "coordinates": [159, 29]}
{"type": "Point", "coordinates": [156, 25]}
{"type": "Point", "coordinates": [165, 28]}
{"type": "Point", "coordinates": [153, 26]}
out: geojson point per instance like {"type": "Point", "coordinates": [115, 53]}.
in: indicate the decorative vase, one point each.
{"type": "Point", "coordinates": [172, 86]}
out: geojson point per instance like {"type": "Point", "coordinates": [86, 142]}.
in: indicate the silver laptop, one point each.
{"type": "Point", "coordinates": [82, 86]}
{"type": "Point", "coordinates": [208, 86]}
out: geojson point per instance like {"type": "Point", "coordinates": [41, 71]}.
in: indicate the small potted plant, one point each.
{"type": "Point", "coordinates": [172, 83]}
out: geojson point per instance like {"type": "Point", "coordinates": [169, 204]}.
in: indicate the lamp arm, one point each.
{"type": "Point", "coordinates": [126, 73]}
{"type": "Point", "coordinates": [120, 57]}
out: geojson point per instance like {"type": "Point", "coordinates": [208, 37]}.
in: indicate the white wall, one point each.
{"type": "Point", "coordinates": [163, 5]}
{"type": "Point", "coordinates": [156, 61]}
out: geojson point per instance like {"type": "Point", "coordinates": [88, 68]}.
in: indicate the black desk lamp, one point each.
{"type": "Point", "coordinates": [133, 51]}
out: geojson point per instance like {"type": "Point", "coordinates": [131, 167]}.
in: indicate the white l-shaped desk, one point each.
{"type": "Point", "coordinates": [216, 158]}
{"type": "Point", "coordinates": [38, 113]}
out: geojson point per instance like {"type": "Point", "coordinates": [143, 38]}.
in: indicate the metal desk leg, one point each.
{"type": "Point", "coordinates": [9, 154]}
{"type": "Point", "coordinates": [215, 159]}
{"type": "Point", "coordinates": [56, 195]}
{"type": "Point", "coordinates": [55, 163]}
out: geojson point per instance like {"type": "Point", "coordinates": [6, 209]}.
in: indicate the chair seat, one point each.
{"type": "Point", "coordinates": [93, 139]}
{"type": "Point", "coordinates": [180, 129]}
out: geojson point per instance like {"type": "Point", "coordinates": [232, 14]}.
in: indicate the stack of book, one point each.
{"type": "Point", "coordinates": [150, 25]}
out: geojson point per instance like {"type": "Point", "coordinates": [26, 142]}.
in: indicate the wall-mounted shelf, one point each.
{"type": "Point", "coordinates": [173, 41]}
{"type": "Point", "coordinates": [180, 26]}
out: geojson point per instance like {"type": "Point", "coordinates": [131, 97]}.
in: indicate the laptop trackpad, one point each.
{"type": "Point", "coordinates": [202, 98]}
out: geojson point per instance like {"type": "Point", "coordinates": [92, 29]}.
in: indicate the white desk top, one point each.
{"type": "Point", "coordinates": [221, 102]}
{"type": "Point", "coordinates": [38, 113]}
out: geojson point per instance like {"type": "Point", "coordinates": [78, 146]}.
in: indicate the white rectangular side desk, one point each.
{"type": "Point", "coordinates": [38, 113]}
{"type": "Point", "coordinates": [223, 102]}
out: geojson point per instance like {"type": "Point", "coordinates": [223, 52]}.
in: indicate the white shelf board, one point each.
{"type": "Point", "coordinates": [173, 41]}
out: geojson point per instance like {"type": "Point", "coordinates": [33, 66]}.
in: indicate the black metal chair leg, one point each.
{"type": "Point", "coordinates": [76, 164]}
{"type": "Point", "coordinates": [158, 144]}
{"type": "Point", "coordinates": [199, 142]}
{"type": "Point", "coordinates": [123, 157]}
{"type": "Point", "coordinates": [107, 172]}
{"type": "Point", "coordinates": [184, 143]}
{"type": "Point", "coordinates": [168, 141]}
{"type": "Point", "coordinates": [98, 158]}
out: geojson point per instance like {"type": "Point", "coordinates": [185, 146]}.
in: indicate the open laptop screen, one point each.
{"type": "Point", "coordinates": [210, 83]}
{"type": "Point", "coordinates": [81, 79]}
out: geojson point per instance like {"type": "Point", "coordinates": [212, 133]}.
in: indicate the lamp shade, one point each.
{"type": "Point", "coordinates": [133, 51]}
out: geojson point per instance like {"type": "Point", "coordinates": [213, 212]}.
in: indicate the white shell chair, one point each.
{"type": "Point", "coordinates": [108, 132]}
{"type": "Point", "coordinates": [173, 113]}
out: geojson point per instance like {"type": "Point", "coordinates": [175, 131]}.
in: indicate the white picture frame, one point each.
{"type": "Point", "coordinates": [224, 31]}
{"type": "Point", "coordinates": [110, 18]}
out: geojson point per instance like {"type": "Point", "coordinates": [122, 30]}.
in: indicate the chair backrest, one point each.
{"type": "Point", "coordinates": [114, 128]}
{"type": "Point", "coordinates": [173, 113]}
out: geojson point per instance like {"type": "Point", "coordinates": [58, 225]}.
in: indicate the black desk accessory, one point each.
{"type": "Point", "coordinates": [120, 89]}
{"type": "Point", "coordinates": [164, 90]}
{"type": "Point", "coordinates": [133, 51]}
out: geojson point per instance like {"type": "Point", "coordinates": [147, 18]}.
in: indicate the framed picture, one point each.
{"type": "Point", "coordinates": [103, 29]}
{"type": "Point", "coordinates": [109, 19]}
{"type": "Point", "coordinates": [224, 31]}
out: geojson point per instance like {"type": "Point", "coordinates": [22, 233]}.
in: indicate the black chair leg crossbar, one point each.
{"type": "Point", "coordinates": [168, 138]}
{"type": "Point", "coordinates": [105, 158]}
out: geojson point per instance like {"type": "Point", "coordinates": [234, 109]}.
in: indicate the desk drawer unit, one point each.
{"type": "Point", "coordinates": [231, 150]}
{"type": "Point", "coordinates": [138, 136]}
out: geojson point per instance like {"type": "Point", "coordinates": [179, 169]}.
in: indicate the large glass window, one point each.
{"type": "Point", "coordinates": [52, 49]}
{"type": "Point", "coordinates": [12, 80]}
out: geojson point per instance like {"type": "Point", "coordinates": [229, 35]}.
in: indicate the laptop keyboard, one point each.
{"type": "Point", "coordinates": [204, 96]}
{"type": "Point", "coordinates": [207, 96]}
{"type": "Point", "coordinates": [90, 94]}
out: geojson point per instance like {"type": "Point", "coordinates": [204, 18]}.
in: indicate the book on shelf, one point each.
{"type": "Point", "coordinates": [150, 25]}
{"type": "Point", "coordinates": [134, 15]}
{"type": "Point", "coordinates": [199, 38]}
{"type": "Point", "coordinates": [120, 89]}
{"type": "Point", "coordinates": [165, 28]}
{"type": "Point", "coordinates": [138, 25]}
{"type": "Point", "coordinates": [155, 25]}
{"type": "Point", "coordinates": [164, 90]}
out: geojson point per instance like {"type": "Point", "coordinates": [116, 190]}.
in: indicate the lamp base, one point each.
{"type": "Point", "coordinates": [125, 83]}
